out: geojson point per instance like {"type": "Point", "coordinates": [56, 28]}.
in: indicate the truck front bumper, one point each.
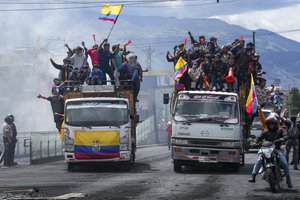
{"type": "Point", "coordinates": [124, 156]}
{"type": "Point", "coordinates": [206, 155]}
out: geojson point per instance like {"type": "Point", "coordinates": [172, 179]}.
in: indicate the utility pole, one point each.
{"type": "Point", "coordinates": [149, 51]}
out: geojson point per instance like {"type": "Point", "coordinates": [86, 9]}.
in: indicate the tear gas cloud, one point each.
{"type": "Point", "coordinates": [29, 40]}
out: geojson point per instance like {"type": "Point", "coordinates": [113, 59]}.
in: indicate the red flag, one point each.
{"type": "Point", "coordinates": [94, 37]}
{"type": "Point", "coordinates": [129, 42]}
{"type": "Point", "coordinates": [185, 42]}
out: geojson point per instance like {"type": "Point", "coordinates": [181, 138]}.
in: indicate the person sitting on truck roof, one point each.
{"type": "Point", "coordinates": [97, 76]}
{"type": "Point", "coordinates": [205, 65]}
{"type": "Point", "coordinates": [195, 75]}
{"type": "Point", "coordinates": [84, 74]}
{"type": "Point", "coordinates": [57, 105]}
{"type": "Point", "coordinates": [218, 70]}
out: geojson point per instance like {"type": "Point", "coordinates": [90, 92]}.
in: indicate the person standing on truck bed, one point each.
{"type": "Point", "coordinates": [93, 53]}
{"type": "Point", "coordinates": [57, 105]}
{"type": "Point", "coordinates": [132, 70]}
{"type": "Point", "coordinates": [105, 57]}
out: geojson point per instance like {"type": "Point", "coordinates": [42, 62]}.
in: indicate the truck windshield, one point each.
{"type": "Point", "coordinates": [208, 111]}
{"type": "Point", "coordinates": [96, 113]}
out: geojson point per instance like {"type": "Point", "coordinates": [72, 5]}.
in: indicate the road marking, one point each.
{"type": "Point", "coordinates": [69, 196]}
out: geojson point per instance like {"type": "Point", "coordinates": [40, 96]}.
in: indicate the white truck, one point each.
{"type": "Point", "coordinates": [207, 127]}
{"type": "Point", "coordinates": [100, 126]}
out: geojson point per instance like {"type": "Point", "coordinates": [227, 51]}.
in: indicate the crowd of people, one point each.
{"type": "Point", "coordinates": [76, 71]}
{"type": "Point", "coordinates": [211, 67]}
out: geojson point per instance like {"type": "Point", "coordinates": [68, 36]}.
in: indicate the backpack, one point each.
{"type": "Point", "coordinates": [293, 132]}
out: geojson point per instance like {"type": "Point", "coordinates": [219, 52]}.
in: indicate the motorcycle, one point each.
{"type": "Point", "coordinates": [270, 165]}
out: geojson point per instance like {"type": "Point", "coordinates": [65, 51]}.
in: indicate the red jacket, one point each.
{"type": "Point", "coordinates": [169, 130]}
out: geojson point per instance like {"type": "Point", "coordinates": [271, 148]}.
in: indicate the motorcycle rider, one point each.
{"type": "Point", "coordinates": [273, 134]}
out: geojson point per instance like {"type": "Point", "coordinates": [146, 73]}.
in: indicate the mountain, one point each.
{"type": "Point", "coordinates": [279, 55]}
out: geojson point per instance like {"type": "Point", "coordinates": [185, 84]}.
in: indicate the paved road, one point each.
{"type": "Point", "coordinates": [151, 178]}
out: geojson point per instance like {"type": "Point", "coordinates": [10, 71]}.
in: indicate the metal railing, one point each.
{"type": "Point", "coordinates": [144, 130]}
{"type": "Point", "coordinates": [38, 147]}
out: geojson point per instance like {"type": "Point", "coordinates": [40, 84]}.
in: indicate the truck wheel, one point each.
{"type": "Point", "coordinates": [177, 166]}
{"type": "Point", "coordinates": [125, 166]}
{"type": "Point", "coordinates": [235, 167]}
{"type": "Point", "coordinates": [132, 157]}
{"type": "Point", "coordinates": [243, 158]}
{"type": "Point", "coordinates": [71, 167]}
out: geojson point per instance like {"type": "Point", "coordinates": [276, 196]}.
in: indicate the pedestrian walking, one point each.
{"type": "Point", "coordinates": [169, 133]}
{"type": "Point", "coordinates": [14, 140]}
{"type": "Point", "coordinates": [292, 142]}
{"type": "Point", "coordinates": [7, 140]}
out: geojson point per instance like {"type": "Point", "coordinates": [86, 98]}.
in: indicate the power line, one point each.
{"type": "Point", "coordinates": [86, 5]}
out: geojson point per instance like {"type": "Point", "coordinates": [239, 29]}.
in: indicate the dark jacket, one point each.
{"type": "Point", "coordinates": [65, 70]}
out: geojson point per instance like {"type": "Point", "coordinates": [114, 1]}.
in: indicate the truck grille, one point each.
{"type": "Point", "coordinates": [204, 143]}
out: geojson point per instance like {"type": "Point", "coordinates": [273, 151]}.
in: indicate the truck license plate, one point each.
{"type": "Point", "coordinates": [203, 159]}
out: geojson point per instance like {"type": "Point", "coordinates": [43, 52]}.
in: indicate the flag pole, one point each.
{"type": "Point", "coordinates": [110, 30]}
{"type": "Point", "coordinates": [114, 23]}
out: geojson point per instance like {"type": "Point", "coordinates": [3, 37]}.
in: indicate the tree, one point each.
{"type": "Point", "coordinates": [294, 101]}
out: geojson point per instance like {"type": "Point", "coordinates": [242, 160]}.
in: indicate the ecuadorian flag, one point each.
{"type": "Point", "coordinates": [180, 68]}
{"type": "Point", "coordinates": [110, 12]}
{"type": "Point", "coordinates": [97, 144]}
{"type": "Point", "coordinates": [251, 104]}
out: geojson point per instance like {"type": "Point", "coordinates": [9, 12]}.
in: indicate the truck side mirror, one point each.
{"type": "Point", "coordinates": [166, 98]}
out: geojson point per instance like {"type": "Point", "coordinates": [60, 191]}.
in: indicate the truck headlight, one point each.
{"type": "Point", "coordinates": [123, 147]}
{"type": "Point", "coordinates": [69, 142]}
{"type": "Point", "coordinates": [124, 142]}
{"type": "Point", "coordinates": [231, 144]}
{"type": "Point", "coordinates": [125, 139]}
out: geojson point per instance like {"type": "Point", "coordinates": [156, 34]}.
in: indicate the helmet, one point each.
{"type": "Point", "coordinates": [272, 121]}
{"type": "Point", "coordinates": [7, 119]}
{"type": "Point", "coordinates": [12, 117]}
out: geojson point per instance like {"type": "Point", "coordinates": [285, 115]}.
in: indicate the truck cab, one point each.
{"type": "Point", "coordinates": [99, 126]}
{"type": "Point", "coordinates": [206, 128]}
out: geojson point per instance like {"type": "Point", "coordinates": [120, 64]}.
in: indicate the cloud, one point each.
{"type": "Point", "coordinates": [279, 20]}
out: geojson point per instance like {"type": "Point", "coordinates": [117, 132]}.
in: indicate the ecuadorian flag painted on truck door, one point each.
{"type": "Point", "coordinates": [97, 144]}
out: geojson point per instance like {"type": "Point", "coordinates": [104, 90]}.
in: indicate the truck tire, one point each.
{"type": "Point", "coordinates": [132, 156]}
{"type": "Point", "coordinates": [125, 166]}
{"type": "Point", "coordinates": [235, 167]}
{"type": "Point", "coordinates": [71, 166]}
{"type": "Point", "coordinates": [177, 166]}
